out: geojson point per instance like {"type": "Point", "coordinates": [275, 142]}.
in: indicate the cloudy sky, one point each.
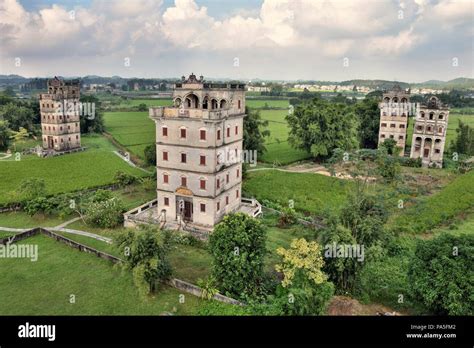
{"type": "Point", "coordinates": [409, 40]}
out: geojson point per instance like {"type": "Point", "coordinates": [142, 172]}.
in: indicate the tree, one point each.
{"type": "Point", "coordinates": [368, 113]}
{"type": "Point", "coordinates": [150, 154]}
{"type": "Point", "coordinates": [238, 249]}
{"type": "Point", "coordinates": [124, 179]}
{"type": "Point", "coordinates": [440, 274]}
{"type": "Point", "coordinates": [18, 116]}
{"type": "Point", "coordinates": [145, 253]}
{"type": "Point", "coordinates": [387, 166]}
{"type": "Point", "coordinates": [390, 146]}
{"type": "Point", "coordinates": [254, 131]}
{"type": "Point", "coordinates": [5, 134]}
{"type": "Point", "coordinates": [92, 123]}
{"type": "Point", "coordinates": [105, 214]}
{"type": "Point", "coordinates": [142, 107]}
{"type": "Point", "coordinates": [464, 142]}
{"type": "Point", "coordinates": [304, 289]}
{"type": "Point", "coordinates": [319, 127]}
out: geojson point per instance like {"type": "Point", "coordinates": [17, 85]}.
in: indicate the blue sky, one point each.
{"type": "Point", "coordinates": [409, 40]}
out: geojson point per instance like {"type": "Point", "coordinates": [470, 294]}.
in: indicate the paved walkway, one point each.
{"type": "Point", "coordinates": [64, 224]}
{"type": "Point", "coordinates": [127, 160]}
{"type": "Point", "coordinates": [16, 230]}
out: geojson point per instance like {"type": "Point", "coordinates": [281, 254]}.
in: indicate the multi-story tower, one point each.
{"type": "Point", "coordinates": [60, 115]}
{"type": "Point", "coordinates": [429, 133]}
{"type": "Point", "coordinates": [198, 149]}
{"type": "Point", "coordinates": [394, 116]}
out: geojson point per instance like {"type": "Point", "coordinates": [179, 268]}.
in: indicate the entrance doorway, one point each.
{"type": "Point", "coordinates": [426, 152]}
{"type": "Point", "coordinates": [50, 143]}
{"type": "Point", "coordinates": [184, 208]}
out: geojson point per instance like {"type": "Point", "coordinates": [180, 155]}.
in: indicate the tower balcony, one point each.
{"type": "Point", "coordinates": [173, 112]}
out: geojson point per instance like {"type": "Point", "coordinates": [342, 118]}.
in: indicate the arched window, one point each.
{"type": "Point", "coordinates": [223, 104]}
{"type": "Point", "coordinates": [177, 102]}
{"type": "Point", "coordinates": [441, 116]}
{"type": "Point", "coordinates": [395, 100]}
{"type": "Point", "coordinates": [422, 114]}
{"type": "Point", "coordinates": [214, 104]}
{"type": "Point", "coordinates": [205, 103]}
{"type": "Point", "coordinates": [431, 115]}
{"type": "Point", "coordinates": [191, 101]}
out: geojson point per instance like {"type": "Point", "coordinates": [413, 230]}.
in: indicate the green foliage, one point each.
{"type": "Point", "coordinates": [5, 134]}
{"type": "Point", "coordinates": [368, 113]}
{"type": "Point", "coordinates": [321, 126]}
{"type": "Point", "coordinates": [287, 217]}
{"type": "Point", "coordinates": [238, 249]}
{"type": "Point", "coordinates": [453, 199]}
{"type": "Point", "coordinates": [388, 167]}
{"type": "Point", "coordinates": [306, 300]}
{"type": "Point", "coordinates": [125, 179]}
{"type": "Point", "coordinates": [254, 131]}
{"type": "Point", "coordinates": [94, 123]}
{"type": "Point", "coordinates": [145, 253]}
{"type": "Point", "coordinates": [142, 107]}
{"type": "Point", "coordinates": [18, 116]}
{"type": "Point", "coordinates": [464, 142]}
{"type": "Point", "coordinates": [150, 154]}
{"type": "Point", "coordinates": [31, 188]}
{"type": "Point", "coordinates": [441, 276]}
{"type": "Point", "coordinates": [208, 287]}
{"type": "Point", "coordinates": [208, 308]}
{"type": "Point", "coordinates": [105, 214]}
{"type": "Point", "coordinates": [390, 145]}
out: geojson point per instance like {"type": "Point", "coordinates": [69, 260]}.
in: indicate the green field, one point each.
{"type": "Point", "coordinates": [44, 287]}
{"type": "Point", "coordinates": [430, 211]}
{"type": "Point", "coordinates": [312, 193]}
{"type": "Point", "coordinates": [271, 103]}
{"type": "Point", "coordinates": [94, 167]}
{"type": "Point", "coordinates": [452, 125]}
{"type": "Point", "coordinates": [278, 149]}
{"type": "Point", "coordinates": [133, 130]}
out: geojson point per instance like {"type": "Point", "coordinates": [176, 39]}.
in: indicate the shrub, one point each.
{"type": "Point", "coordinates": [150, 154]}
{"type": "Point", "coordinates": [238, 249]}
{"type": "Point", "coordinates": [440, 274]}
{"type": "Point", "coordinates": [287, 217]}
{"type": "Point", "coordinates": [145, 253]}
{"type": "Point", "coordinates": [124, 179]}
{"type": "Point", "coordinates": [105, 214]}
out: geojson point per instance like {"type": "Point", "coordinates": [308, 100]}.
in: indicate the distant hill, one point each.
{"type": "Point", "coordinates": [458, 83]}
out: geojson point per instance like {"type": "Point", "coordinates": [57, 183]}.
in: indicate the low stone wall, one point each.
{"type": "Point", "coordinates": [20, 236]}
{"type": "Point", "coordinates": [197, 291]}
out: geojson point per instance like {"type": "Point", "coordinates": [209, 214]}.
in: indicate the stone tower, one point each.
{"type": "Point", "coordinates": [394, 110]}
{"type": "Point", "coordinates": [429, 133]}
{"type": "Point", "coordinates": [198, 149]}
{"type": "Point", "coordinates": [59, 110]}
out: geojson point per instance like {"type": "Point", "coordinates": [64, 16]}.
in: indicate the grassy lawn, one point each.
{"type": "Point", "coordinates": [430, 211]}
{"type": "Point", "coordinates": [452, 125]}
{"type": "Point", "coordinates": [278, 148]}
{"type": "Point", "coordinates": [133, 130]}
{"type": "Point", "coordinates": [94, 167]}
{"type": "Point", "coordinates": [272, 103]}
{"type": "Point", "coordinates": [19, 219]}
{"type": "Point", "coordinates": [44, 287]}
{"type": "Point", "coordinates": [312, 193]}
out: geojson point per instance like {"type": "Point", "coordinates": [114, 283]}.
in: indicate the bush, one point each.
{"type": "Point", "coordinates": [124, 179]}
{"type": "Point", "coordinates": [238, 249]}
{"type": "Point", "coordinates": [105, 214]}
{"type": "Point", "coordinates": [410, 162]}
{"type": "Point", "coordinates": [150, 154]}
{"type": "Point", "coordinates": [440, 274]}
{"type": "Point", "coordinates": [287, 217]}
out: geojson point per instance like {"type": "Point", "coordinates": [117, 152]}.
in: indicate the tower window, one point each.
{"type": "Point", "coordinates": [183, 158]}
{"type": "Point", "coordinates": [164, 131]}
{"type": "Point", "coordinates": [184, 182]}
{"type": "Point", "coordinates": [218, 206]}
{"type": "Point", "coordinates": [166, 201]}
{"type": "Point", "coordinates": [165, 178]}
{"type": "Point", "coordinates": [183, 133]}
{"type": "Point", "coordinates": [218, 183]}
{"type": "Point", "coordinates": [202, 160]}
{"type": "Point", "coordinates": [203, 208]}
{"type": "Point", "coordinates": [236, 130]}
{"type": "Point", "coordinates": [202, 184]}
{"type": "Point", "coordinates": [227, 178]}
{"type": "Point", "coordinates": [228, 132]}
{"type": "Point", "coordinates": [227, 200]}
{"type": "Point", "coordinates": [165, 155]}
{"type": "Point", "coordinates": [218, 134]}
{"type": "Point", "coordinates": [202, 134]}
{"type": "Point", "coordinates": [236, 193]}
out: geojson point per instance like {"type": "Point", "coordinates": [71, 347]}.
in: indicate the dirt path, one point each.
{"type": "Point", "coordinates": [305, 168]}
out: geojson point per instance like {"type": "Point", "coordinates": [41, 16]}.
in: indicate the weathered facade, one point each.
{"type": "Point", "coordinates": [394, 110]}
{"type": "Point", "coordinates": [198, 148]}
{"type": "Point", "coordinates": [60, 123]}
{"type": "Point", "coordinates": [429, 133]}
